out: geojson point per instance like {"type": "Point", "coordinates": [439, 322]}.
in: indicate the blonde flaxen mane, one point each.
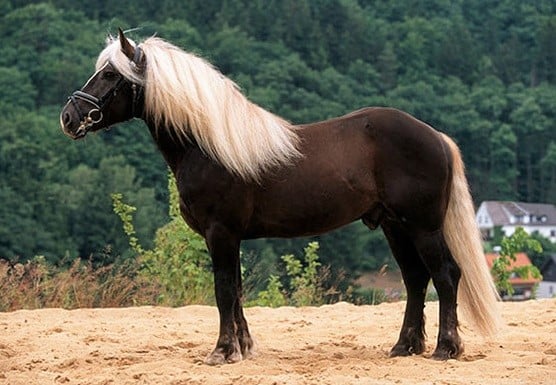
{"type": "Point", "coordinates": [189, 97]}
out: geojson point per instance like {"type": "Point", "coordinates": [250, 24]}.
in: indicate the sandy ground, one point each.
{"type": "Point", "coordinates": [336, 344]}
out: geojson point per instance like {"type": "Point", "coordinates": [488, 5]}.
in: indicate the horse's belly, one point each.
{"type": "Point", "coordinates": [310, 213]}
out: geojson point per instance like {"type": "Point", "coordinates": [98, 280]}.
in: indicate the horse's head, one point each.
{"type": "Point", "coordinates": [109, 96]}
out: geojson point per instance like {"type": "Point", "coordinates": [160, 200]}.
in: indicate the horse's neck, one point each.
{"type": "Point", "coordinates": [171, 148]}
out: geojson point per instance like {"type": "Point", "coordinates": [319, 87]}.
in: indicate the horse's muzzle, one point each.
{"type": "Point", "coordinates": [70, 124]}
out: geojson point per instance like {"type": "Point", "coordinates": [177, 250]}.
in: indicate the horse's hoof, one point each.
{"type": "Point", "coordinates": [443, 354]}
{"type": "Point", "coordinates": [403, 350]}
{"type": "Point", "coordinates": [400, 351]}
{"type": "Point", "coordinates": [247, 347]}
{"type": "Point", "coordinates": [218, 357]}
{"type": "Point", "coordinates": [214, 359]}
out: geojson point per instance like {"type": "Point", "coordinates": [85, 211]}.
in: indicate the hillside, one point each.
{"type": "Point", "coordinates": [482, 72]}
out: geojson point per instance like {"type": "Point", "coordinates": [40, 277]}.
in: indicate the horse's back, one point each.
{"type": "Point", "coordinates": [399, 143]}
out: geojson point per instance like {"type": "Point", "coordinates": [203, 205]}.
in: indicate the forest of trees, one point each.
{"type": "Point", "coordinates": [482, 71]}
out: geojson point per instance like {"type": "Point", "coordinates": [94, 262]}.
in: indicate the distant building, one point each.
{"type": "Point", "coordinates": [547, 288]}
{"type": "Point", "coordinates": [524, 288]}
{"type": "Point", "coordinates": [533, 217]}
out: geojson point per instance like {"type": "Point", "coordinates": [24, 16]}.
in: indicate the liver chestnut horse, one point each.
{"type": "Point", "coordinates": [243, 172]}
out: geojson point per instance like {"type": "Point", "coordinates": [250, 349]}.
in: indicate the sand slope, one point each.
{"type": "Point", "coordinates": [336, 344]}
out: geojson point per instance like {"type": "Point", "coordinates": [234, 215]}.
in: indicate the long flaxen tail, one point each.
{"type": "Point", "coordinates": [477, 294]}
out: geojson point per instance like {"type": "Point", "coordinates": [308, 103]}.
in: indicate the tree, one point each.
{"type": "Point", "coordinates": [16, 89]}
{"type": "Point", "coordinates": [503, 167]}
{"type": "Point", "coordinates": [96, 229]}
{"type": "Point", "coordinates": [388, 66]}
{"type": "Point", "coordinates": [529, 122]}
{"type": "Point", "coordinates": [483, 73]}
{"type": "Point", "coordinates": [34, 39]}
{"type": "Point", "coordinates": [545, 52]}
{"type": "Point", "coordinates": [33, 220]}
{"type": "Point", "coordinates": [518, 241]}
{"type": "Point", "coordinates": [457, 54]}
{"type": "Point", "coordinates": [548, 174]}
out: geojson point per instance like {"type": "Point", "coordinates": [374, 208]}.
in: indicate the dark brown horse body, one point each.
{"type": "Point", "coordinates": [378, 165]}
{"type": "Point", "coordinates": [336, 182]}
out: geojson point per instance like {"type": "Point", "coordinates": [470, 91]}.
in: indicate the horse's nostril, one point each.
{"type": "Point", "coordinates": [67, 119]}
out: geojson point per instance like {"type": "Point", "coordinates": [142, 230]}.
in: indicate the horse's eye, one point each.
{"type": "Point", "coordinates": [109, 75]}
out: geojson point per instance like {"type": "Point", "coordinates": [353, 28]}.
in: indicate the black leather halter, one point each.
{"type": "Point", "coordinates": [95, 114]}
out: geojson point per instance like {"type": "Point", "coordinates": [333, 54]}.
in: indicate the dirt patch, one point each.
{"type": "Point", "coordinates": [336, 344]}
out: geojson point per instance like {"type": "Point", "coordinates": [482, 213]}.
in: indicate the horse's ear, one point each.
{"type": "Point", "coordinates": [127, 48]}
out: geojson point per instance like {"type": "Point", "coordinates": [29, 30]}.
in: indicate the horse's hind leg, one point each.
{"type": "Point", "coordinates": [445, 275]}
{"type": "Point", "coordinates": [416, 278]}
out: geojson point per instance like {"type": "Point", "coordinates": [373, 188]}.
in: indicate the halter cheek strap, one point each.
{"type": "Point", "coordinates": [137, 95]}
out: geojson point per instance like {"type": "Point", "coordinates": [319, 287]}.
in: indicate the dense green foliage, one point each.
{"type": "Point", "coordinates": [482, 71]}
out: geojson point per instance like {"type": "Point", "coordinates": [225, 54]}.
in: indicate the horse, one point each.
{"type": "Point", "coordinates": [243, 172]}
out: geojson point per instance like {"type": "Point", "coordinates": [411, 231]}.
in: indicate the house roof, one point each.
{"type": "Point", "coordinates": [521, 259]}
{"type": "Point", "coordinates": [537, 214]}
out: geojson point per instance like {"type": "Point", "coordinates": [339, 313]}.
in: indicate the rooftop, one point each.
{"type": "Point", "coordinates": [521, 259]}
{"type": "Point", "coordinates": [533, 214]}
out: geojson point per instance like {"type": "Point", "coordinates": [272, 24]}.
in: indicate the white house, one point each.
{"type": "Point", "coordinates": [532, 217]}
{"type": "Point", "coordinates": [547, 288]}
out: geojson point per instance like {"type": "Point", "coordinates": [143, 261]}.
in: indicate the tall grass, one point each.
{"type": "Point", "coordinates": [37, 284]}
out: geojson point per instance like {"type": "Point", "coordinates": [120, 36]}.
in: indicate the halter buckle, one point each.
{"type": "Point", "coordinates": [91, 119]}
{"type": "Point", "coordinates": [88, 121]}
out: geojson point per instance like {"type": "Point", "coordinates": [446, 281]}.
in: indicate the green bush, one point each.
{"type": "Point", "coordinates": [273, 296]}
{"type": "Point", "coordinates": [305, 282]}
{"type": "Point", "coordinates": [179, 261]}
{"type": "Point", "coordinates": [518, 241]}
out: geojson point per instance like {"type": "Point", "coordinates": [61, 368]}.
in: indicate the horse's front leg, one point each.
{"type": "Point", "coordinates": [245, 341]}
{"type": "Point", "coordinates": [234, 341]}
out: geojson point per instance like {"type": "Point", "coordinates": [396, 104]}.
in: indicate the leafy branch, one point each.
{"type": "Point", "coordinates": [509, 247]}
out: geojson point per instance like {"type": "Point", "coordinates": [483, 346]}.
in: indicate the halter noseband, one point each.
{"type": "Point", "coordinates": [95, 115]}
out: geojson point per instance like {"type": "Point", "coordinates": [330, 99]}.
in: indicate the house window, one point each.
{"type": "Point", "coordinates": [553, 233]}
